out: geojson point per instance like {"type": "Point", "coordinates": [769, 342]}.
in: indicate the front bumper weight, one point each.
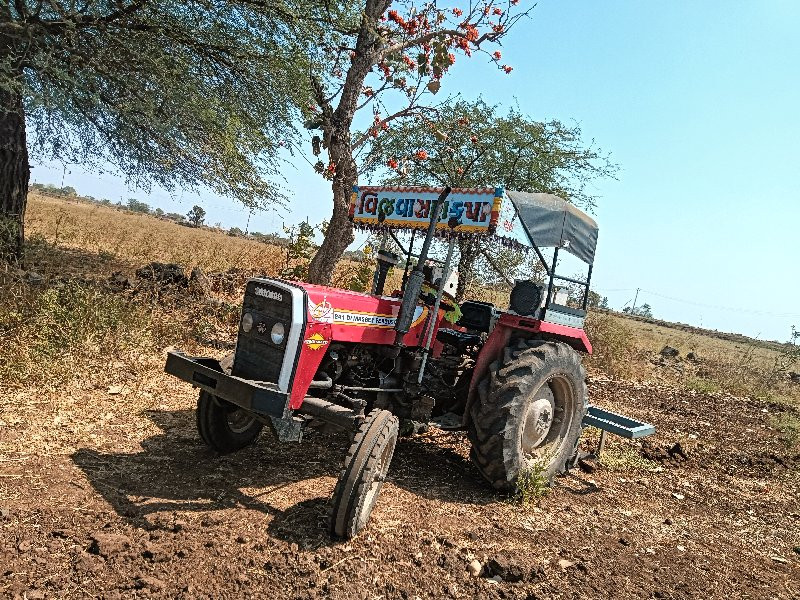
{"type": "Point", "coordinates": [206, 373]}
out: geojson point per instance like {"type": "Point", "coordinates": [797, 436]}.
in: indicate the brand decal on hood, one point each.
{"type": "Point", "coordinates": [315, 341]}
{"type": "Point", "coordinates": [269, 294]}
{"type": "Point", "coordinates": [322, 312]}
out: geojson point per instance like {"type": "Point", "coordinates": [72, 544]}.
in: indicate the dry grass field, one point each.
{"type": "Point", "coordinates": [107, 492]}
{"type": "Point", "coordinates": [137, 239]}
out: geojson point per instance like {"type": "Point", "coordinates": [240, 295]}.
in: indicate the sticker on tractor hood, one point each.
{"type": "Point", "coordinates": [325, 313]}
{"type": "Point", "coordinates": [315, 341]}
{"type": "Point", "coordinates": [269, 294]}
{"type": "Point", "coordinates": [322, 312]}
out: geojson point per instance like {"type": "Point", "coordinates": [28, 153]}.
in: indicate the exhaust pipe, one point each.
{"type": "Point", "coordinates": [414, 284]}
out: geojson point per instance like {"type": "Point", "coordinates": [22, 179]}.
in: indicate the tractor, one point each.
{"type": "Point", "coordinates": [310, 355]}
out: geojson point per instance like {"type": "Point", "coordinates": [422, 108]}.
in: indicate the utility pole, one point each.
{"type": "Point", "coordinates": [633, 308]}
{"type": "Point", "coordinates": [247, 227]}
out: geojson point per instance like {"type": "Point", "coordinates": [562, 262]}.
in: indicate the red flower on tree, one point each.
{"type": "Point", "coordinates": [507, 69]}
{"type": "Point", "coordinates": [408, 50]}
{"type": "Point", "coordinates": [472, 33]}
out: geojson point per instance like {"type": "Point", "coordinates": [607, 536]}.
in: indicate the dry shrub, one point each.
{"type": "Point", "coordinates": [747, 370]}
{"type": "Point", "coordinates": [532, 484]}
{"type": "Point", "coordinates": [613, 350]}
{"type": "Point", "coordinates": [789, 426]}
{"type": "Point", "coordinates": [49, 332]}
{"type": "Point", "coordinates": [61, 329]}
{"type": "Point", "coordinates": [626, 459]}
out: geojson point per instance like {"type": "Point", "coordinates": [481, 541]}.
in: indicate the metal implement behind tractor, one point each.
{"type": "Point", "coordinates": [309, 354]}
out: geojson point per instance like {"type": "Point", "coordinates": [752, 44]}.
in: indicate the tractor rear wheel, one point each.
{"type": "Point", "coordinates": [528, 412]}
{"type": "Point", "coordinates": [365, 468]}
{"type": "Point", "coordinates": [223, 426]}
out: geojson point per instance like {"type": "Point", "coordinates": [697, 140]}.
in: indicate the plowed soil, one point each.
{"type": "Point", "coordinates": [108, 492]}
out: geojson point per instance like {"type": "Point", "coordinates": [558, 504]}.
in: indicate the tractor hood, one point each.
{"type": "Point", "coordinates": [551, 221]}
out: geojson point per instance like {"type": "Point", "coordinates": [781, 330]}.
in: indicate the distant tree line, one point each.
{"type": "Point", "coordinates": [194, 218]}
{"type": "Point", "coordinates": [645, 310]}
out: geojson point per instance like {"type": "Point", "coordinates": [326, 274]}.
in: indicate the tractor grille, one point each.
{"type": "Point", "coordinates": [257, 357]}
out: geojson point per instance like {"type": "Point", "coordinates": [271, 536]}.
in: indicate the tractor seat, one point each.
{"type": "Point", "coordinates": [458, 339]}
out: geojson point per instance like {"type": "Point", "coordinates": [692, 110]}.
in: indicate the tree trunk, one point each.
{"type": "Point", "coordinates": [14, 175]}
{"type": "Point", "coordinates": [339, 234]}
{"type": "Point", "coordinates": [340, 149]}
{"type": "Point", "coordinates": [466, 265]}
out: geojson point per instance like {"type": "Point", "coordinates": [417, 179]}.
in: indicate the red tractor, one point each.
{"type": "Point", "coordinates": [309, 354]}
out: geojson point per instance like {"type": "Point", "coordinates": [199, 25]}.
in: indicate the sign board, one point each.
{"type": "Point", "coordinates": [465, 210]}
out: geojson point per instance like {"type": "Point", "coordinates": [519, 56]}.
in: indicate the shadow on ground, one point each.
{"type": "Point", "coordinates": [176, 472]}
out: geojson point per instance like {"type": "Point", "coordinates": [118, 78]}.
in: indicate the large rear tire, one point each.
{"type": "Point", "coordinates": [365, 468]}
{"type": "Point", "coordinates": [528, 413]}
{"type": "Point", "coordinates": [222, 425]}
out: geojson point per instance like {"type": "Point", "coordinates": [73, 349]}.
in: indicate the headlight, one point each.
{"type": "Point", "coordinates": [277, 334]}
{"type": "Point", "coordinates": [247, 322]}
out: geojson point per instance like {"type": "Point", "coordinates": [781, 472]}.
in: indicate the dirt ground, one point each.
{"type": "Point", "coordinates": [106, 491]}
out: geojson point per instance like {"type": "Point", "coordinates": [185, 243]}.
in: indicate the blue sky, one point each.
{"type": "Point", "coordinates": [697, 101]}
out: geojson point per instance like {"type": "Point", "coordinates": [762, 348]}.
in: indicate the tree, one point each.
{"type": "Point", "coordinates": [299, 249]}
{"type": "Point", "coordinates": [138, 206]}
{"type": "Point", "coordinates": [389, 62]}
{"type": "Point", "coordinates": [645, 310]}
{"type": "Point", "coordinates": [594, 300]}
{"type": "Point", "coordinates": [470, 144]}
{"type": "Point", "coordinates": [196, 216]}
{"type": "Point", "coordinates": [170, 92]}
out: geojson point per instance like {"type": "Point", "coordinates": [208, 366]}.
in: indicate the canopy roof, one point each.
{"type": "Point", "coordinates": [551, 221]}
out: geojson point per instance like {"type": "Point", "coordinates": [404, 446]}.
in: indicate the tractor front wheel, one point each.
{"type": "Point", "coordinates": [223, 426]}
{"type": "Point", "coordinates": [365, 468]}
{"type": "Point", "coordinates": [528, 412]}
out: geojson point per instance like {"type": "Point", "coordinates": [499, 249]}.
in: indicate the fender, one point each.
{"type": "Point", "coordinates": [506, 325]}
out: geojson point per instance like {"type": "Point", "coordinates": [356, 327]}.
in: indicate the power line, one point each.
{"type": "Point", "coordinates": [720, 307]}
{"type": "Point", "coordinates": [702, 304]}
